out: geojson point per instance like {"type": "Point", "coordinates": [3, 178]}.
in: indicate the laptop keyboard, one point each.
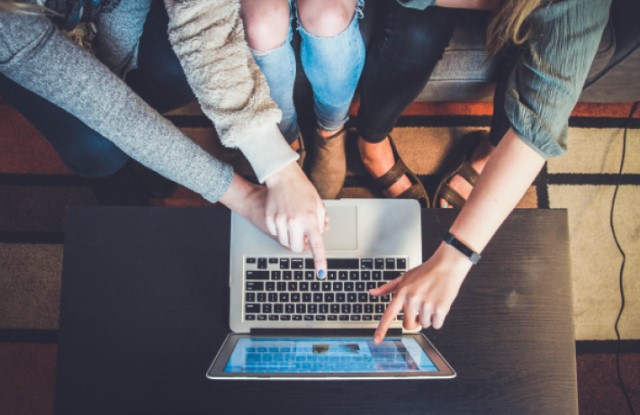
{"type": "Point", "coordinates": [287, 289]}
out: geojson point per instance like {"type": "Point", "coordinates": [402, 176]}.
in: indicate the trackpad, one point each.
{"type": "Point", "coordinates": [343, 228]}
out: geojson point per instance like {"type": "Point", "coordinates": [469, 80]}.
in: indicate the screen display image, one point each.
{"type": "Point", "coordinates": [328, 355]}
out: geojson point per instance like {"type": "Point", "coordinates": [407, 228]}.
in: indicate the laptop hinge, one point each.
{"type": "Point", "coordinates": [322, 332]}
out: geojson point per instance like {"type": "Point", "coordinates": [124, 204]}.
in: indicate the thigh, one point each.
{"type": "Point", "coordinates": [266, 23]}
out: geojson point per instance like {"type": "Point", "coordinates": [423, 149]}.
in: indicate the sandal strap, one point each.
{"type": "Point", "coordinates": [398, 170]}
{"type": "Point", "coordinates": [452, 197]}
{"type": "Point", "coordinates": [468, 173]}
{"type": "Point", "coordinates": [414, 192]}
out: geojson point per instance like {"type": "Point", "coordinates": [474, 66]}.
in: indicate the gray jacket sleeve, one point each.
{"type": "Point", "coordinates": [549, 75]}
{"type": "Point", "coordinates": [34, 54]}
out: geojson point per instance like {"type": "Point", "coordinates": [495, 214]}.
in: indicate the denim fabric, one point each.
{"type": "Point", "coordinates": [332, 65]}
{"type": "Point", "coordinates": [83, 150]}
{"type": "Point", "coordinates": [405, 46]}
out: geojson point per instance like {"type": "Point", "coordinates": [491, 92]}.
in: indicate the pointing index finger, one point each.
{"type": "Point", "coordinates": [389, 315]}
{"type": "Point", "coordinates": [316, 244]}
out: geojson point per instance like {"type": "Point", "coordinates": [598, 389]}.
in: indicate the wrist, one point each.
{"type": "Point", "coordinates": [285, 173]}
{"type": "Point", "coordinates": [471, 254]}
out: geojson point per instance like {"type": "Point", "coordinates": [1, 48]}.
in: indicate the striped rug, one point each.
{"type": "Point", "coordinates": [35, 188]}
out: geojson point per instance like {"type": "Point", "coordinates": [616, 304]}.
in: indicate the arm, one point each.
{"type": "Point", "coordinates": [208, 38]}
{"type": "Point", "coordinates": [544, 88]}
{"type": "Point", "coordinates": [34, 54]}
{"type": "Point", "coordinates": [430, 289]}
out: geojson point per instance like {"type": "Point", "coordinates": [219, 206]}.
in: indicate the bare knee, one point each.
{"type": "Point", "coordinates": [326, 18]}
{"type": "Point", "coordinates": [266, 23]}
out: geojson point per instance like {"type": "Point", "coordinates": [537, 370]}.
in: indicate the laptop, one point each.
{"type": "Point", "coordinates": [287, 323]}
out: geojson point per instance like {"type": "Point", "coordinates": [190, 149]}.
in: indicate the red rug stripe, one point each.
{"type": "Point", "coordinates": [27, 384]}
{"type": "Point", "coordinates": [24, 150]}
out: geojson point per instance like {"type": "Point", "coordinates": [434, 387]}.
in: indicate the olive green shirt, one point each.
{"type": "Point", "coordinates": [549, 74]}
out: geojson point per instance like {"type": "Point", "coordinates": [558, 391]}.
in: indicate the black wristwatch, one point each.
{"type": "Point", "coordinates": [451, 240]}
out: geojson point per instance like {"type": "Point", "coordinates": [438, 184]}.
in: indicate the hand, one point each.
{"type": "Point", "coordinates": [247, 199]}
{"type": "Point", "coordinates": [295, 213]}
{"type": "Point", "coordinates": [425, 293]}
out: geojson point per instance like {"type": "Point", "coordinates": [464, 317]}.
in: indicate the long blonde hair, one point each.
{"type": "Point", "coordinates": [508, 23]}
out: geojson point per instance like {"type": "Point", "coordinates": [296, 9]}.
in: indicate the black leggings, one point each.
{"type": "Point", "coordinates": [405, 46]}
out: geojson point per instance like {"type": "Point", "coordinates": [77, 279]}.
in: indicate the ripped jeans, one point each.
{"type": "Point", "coordinates": [332, 64]}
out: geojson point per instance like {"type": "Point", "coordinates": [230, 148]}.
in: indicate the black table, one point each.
{"type": "Point", "coordinates": [144, 308]}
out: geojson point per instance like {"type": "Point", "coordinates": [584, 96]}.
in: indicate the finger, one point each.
{"type": "Point", "coordinates": [425, 316]}
{"type": "Point", "coordinates": [316, 244]}
{"type": "Point", "coordinates": [438, 319]}
{"type": "Point", "coordinates": [410, 315]}
{"type": "Point", "coordinates": [386, 288]}
{"type": "Point", "coordinates": [282, 231]}
{"type": "Point", "coordinates": [296, 237]}
{"type": "Point", "coordinates": [323, 218]}
{"type": "Point", "coordinates": [271, 225]}
{"type": "Point", "coordinates": [389, 315]}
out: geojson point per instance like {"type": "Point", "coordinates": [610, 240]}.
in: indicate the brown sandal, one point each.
{"type": "Point", "coordinates": [399, 169]}
{"type": "Point", "coordinates": [464, 170]}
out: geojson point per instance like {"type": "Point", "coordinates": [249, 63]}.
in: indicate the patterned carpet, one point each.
{"type": "Point", "coordinates": [35, 188]}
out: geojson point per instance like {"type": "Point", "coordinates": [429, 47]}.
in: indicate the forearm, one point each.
{"type": "Point", "coordinates": [51, 66]}
{"type": "Point", "coordinates": [508, 174]}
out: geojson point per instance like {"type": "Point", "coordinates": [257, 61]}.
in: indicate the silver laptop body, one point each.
{"type": "Point", "coordinates": [383, 230]}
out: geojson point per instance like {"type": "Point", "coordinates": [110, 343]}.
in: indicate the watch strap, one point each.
{"type": "Point", "coordinates": [451, 240]}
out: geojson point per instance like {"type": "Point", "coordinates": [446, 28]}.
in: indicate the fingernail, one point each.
{"type": "Point", "coordinates": [321, 274]}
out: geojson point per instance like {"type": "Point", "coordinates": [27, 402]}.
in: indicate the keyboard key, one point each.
{"type": "Point", "coordinates": [317, 297]}
{"type": "Point", "coordinates": [343, 263]}
{"type": "Point", "coordinates": [357, 308]}
{"type": "Point", "coordinates": [262, 263]}
{"type": "Point", "coordinates": [250, 317]}
{"type": "Point", "coordinates": [315, 286]}
{"type": "Point", "coordinates": [295, 297]}
{"type": "Point", "coordinates": [360, 286]}
{"type": "Point", "coordinates": [306, 297]}
{"type": "Point", "coordinates": [391, 275]}
{"type": "Point", "coordinates": [345, 308]}
{"type": "Point", "coordinates": [255, 286]}
{"type": "Point", "coordinates": [349, 286]}
{"type": "Point", "coordinates": [308, 317]}
{"type": "Point", "coordinates": [352, 297]}
{"type": "Point", "coordinates": [332, 318]}
{"type": "Point", "coordinates": [284, 263]}
{"type": "Point", "coordinates": [270, 286]}
{"type": "Point", "coordinates": [287, 275]}
{"type": "Point", "coordinates": [366, 317]}
{"type": "Point", "coordinates": [304, 286]}
{"type": "Point", "coordinates": [257, 275]}
{"type": "Point", "coordinates": [355, 317]}
{"type": "Point", "coordinates": [266, 308]}
{"type": "Point", "coordinates": [274, 317]}
{"type": "Point", "coordinates": [301, 308]}
{"type": "Point", "coordinates": [326, 286]}
{"type": "Point", "coordinates": [273, 260]}
{"type": "Point", "coordinates": [376, 275]}
{"type": "Point", "coordinates": [402, 263]}
{"type": "Point", "coordinates": [251, 308]}
{"type": "Point", "coordinates": [250, 297]}
{"type": "Point", "coordinates": [297, 275]}
{"type": "Point", "coordinates": [343, 275]}
{"type": "Point", "coordinates": [284, 297]}
{"type": "Point", "coordinates": [340, 297]}
{"type": "Point", "coordinates": [273, 297]}
{"type": "Point", "coordinates": [278, 308]}
{"type": "Point", "coordinates": [309, 275]}
{"type": "Point", "coordinates": [251, 260]}
{"type": "Point", "coordinates": [320, 317]}
{"type": "Point", "coordinates": [366, 263]}
{"type": "Point", "coordinates": [289, 308]}
{"type": "Point", "coordinates": [285, 317]}
{"type": "Point", "coordinates": [262, 317]}
{"type": "Point", "coordinates": [276, 275]}
{"type": "Point", "coordinates": [335, 308]}
{"type": "Point", "coordinates": [379, 263]}
{"type": "Point", "coordinates": [344, 318]}
{"type": "Point", "coordinates": [329, 298]}
{"type": "Point", "coordinates": [333, 275]}
{"type": "Point", "coordinates": [281, 286]}
{"type": "Point", "coordinates": [390, 263]}
{"type": "Point", "coordinates": [296, 317]}
{"type": "Point", "coordinates": [354, 275]}
{"type": "Point", "coordinates": [308, 263]}
{"type": "Point", "coordinates": [312, 308]}
{"type": "Point", "coordinates": [296, 263]}
{"type": "Point", "coordinates": [262, 297]}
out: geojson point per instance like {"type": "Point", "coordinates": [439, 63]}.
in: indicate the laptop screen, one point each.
{"type": "Point", "coordinates": [328, 355]}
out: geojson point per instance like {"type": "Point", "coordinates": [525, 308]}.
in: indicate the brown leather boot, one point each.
{"type": "Point", "coordinates": [329, 163]}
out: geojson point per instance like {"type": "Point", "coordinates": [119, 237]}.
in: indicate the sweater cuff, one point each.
{"type": "Point", "coordinates": [266, 150]}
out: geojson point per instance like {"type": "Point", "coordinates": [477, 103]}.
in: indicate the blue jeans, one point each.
{"type": "Point", "coordinates": [332, 65]}
{"type": "Point", "coordinates": [159, 80]}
